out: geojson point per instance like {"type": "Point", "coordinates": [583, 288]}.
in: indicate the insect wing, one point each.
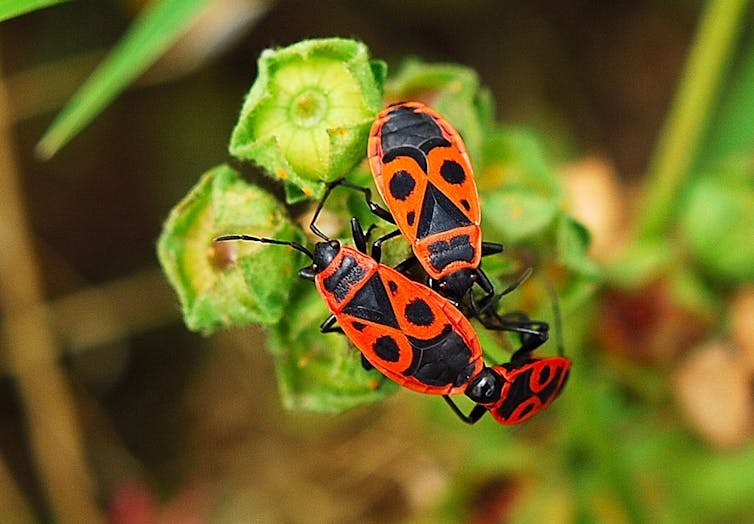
{"type": "Point", "coordinates": [412, 335]}
{"type": "Point", "coordinates": [529, 388]}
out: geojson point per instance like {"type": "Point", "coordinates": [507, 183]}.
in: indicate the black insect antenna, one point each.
{"type": "Point", "coordinates": [492, 302]}
{"type": "Point", "coordinates": [249, 238]}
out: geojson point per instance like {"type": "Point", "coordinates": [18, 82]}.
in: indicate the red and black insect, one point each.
{"type": "Point", "coordinates": [405, 330]}
{"type": "Point", "coordinates": [516, 391]}
{"type": "Point", "coordinates": [423, 172]}
{"type": "Point", "coordinates": [413, 335]}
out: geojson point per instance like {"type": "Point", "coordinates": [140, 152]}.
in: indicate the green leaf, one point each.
{"type": "Point", "coordinates": [515, 158]}
{"type": "Point", "coordinates": [572, 243]}
{"type": "Point", "coordinates": [517, 214]}
{"type": "Point", "coordinates": [151, 34]}
{"type": "Point", "coordinates": [647, 260]}
{"type": "Point", "coordinates": [718, 224]}
{"type": "Point", "coordinates": [12, 8]}
{"type": "Point", "coordinates": [319, 371]}
{"type": "Point", "coordinates": [228, 283]}
{"type": "Point", "coordinates": [307, 116]}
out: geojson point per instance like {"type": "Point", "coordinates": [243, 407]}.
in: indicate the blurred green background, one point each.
{"type": "Point", "coordinates": [112, 411]}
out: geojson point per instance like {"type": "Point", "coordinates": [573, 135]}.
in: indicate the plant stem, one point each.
{"type": "Point", "coordinates": [30, 350]}
{"type": "Point", "coordinates": [708, 60]}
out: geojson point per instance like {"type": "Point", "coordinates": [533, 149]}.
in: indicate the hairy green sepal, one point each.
{"type": "Point", "coordinates": [307, 116]}
{"type": "Point", "coordinates": [229, 283]}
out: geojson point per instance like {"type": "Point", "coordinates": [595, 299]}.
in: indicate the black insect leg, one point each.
{"type": "Point", "coordinates": [408, 264]}
{"type": "Point", "coordinates": [328, 326]}
{"type": "Point", "coordinates": [483, 282]}
{"type": "Point", "coordinates": [359, 237]}
{"type": "Point", "coordinates": [488, 248]}
{"type": "Point", "coordinates": [533, 333]}
{"type": "Point", "coordinates": [360, 241]}
{"type": "Point", "coordinates": [373, 206]}
{"type": "Point", "coordinates": [489, 303]}
{"type": "Point", "coordinates": [377, 244]}
{"type": "Point", "coordinates": [472, 417]}
{"type": "Point", "coordinates": [365, 363]}
{"type": "Point", "coordinates": [491, 248]}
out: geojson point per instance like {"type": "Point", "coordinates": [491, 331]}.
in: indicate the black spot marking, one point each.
{"type": "Point", "coordinates": [544, 375]}
{"type": "Point", "coordinates": [452, 172]}
{"type": "Point", "coordinates": [526, 410]}
{"type": "Point", "coordinates": [465, 204]}
{"type": "Point", "coordinates": [552, 389]}
{"type": "Point", "coordinates": [358, 326]}
{"type": "Point", "coordinates": [419, 313]}
{"type": "Point", "coordinates": [402, 185]}
{"type": "Point", "coordinates": [393, 287]}
{"type": "Point", "coordinates": [434, 142]}
{"type": "Point", "coordinates": [410, 217]}
{"type": "Point", "coordinates": [518, 393]}
{"type": "Point", "coordinates": [387, 348]}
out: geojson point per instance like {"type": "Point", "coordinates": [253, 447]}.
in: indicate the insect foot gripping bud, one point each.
{"type": "Point", "coordinates": [307, 116]}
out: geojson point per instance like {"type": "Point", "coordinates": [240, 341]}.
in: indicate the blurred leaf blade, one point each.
{"type": "Point", "coordinates": [155, 29]}
{"type": "Point", "coordinates": [13, 8]}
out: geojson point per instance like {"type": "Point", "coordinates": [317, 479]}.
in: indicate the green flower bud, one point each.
{"type": "Point", "coordinates": [316, 371]}
{"type": "Point", "coordinates": [306, 119]}
{"type": "Point", "coordinates": [228, 283]}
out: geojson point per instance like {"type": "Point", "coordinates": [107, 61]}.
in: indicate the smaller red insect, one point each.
{"type": "Point", "coordinates": [516, 391]}
{"type": "Point", "coordinates": [526, 385]}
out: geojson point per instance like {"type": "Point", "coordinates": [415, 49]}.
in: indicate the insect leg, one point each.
{"type": "Point", "coordinates": [359, 237]}
{"type": "Point", "coordinates": [377, 244]}
{"type": "Point", "coordinates": [491, 248]}
{"type": "Point", "coordinates": [472, 417]}
{"type": "Point", "coordinates": [374, 207]}
{"type": "Point", "coordinates": [328, 326]}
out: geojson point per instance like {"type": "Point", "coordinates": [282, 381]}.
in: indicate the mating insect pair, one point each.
{"type": "Point", "coordinates": [412, 333]}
